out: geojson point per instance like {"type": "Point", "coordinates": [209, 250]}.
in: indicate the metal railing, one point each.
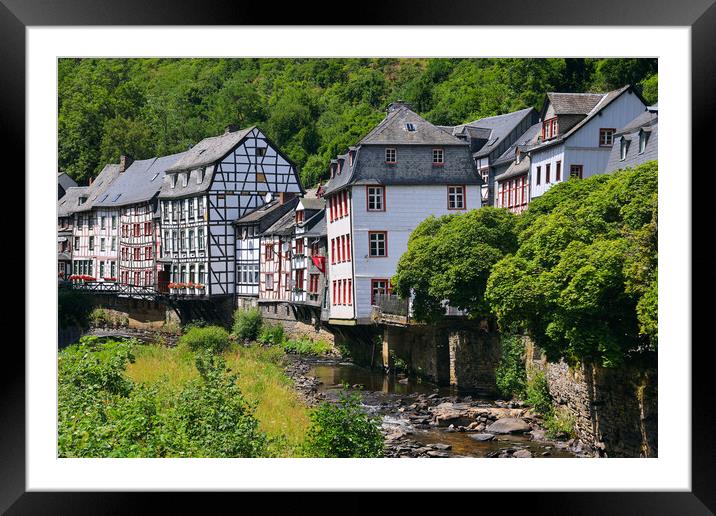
{"type": "Point", "coordinates": [391, 304]}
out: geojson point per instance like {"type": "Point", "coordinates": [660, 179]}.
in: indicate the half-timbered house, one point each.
{"type": "Point", "coordinates": [577, 134]}
{"type": "Point", "coordinates": [94, 233]}
{"type": "Point", "coordinates": [249, 229]}
{"type": "Point", "coordinates": [65, 228]}
{"type": "Point", "coordinates": [216, 182]}
{"type": "Point", "coordinates": [275, 278]}
{"type": "Point", "coordinates": [512, 182]}
{"type": "Point", "coordinates": [308, 259]}
{"type": "Point", "coordinates": [134, 195]}
{"type": "Point", "coordinates": [403, 171]}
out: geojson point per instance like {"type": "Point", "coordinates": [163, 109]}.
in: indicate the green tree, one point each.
{"type": "Point", "coordinates": [583, 280]}
{"type": "Point", "coordinates": [450, 259]}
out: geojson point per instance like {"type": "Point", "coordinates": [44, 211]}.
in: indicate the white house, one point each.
{"type": "Point", "coordinates": [403, 171]}
{"type": "Point", "coordinates": [577, 134]}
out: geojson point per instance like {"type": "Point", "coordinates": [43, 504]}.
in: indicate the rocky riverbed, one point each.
{"type": "Point", "coordinates": [423, 420]}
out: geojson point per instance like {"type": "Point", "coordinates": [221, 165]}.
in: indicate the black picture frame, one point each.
{"type": "Point", "coordinates": [700, 15]}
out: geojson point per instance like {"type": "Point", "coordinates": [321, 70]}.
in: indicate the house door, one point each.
{"type": "Point", "coordinates": [163, 280]}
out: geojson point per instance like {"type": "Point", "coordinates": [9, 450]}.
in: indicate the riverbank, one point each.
{"type": "Point", "coordinates": [423, 420]}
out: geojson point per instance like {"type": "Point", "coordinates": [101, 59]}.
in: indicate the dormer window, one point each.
{"type": "Point", "coordinates": [549, 128]}
{"type": "Point", "coordinates": [623, 146]}
{"type": "Point", "coordinates": [200, 175]}
{"type": "Point", "coordinates": [351, 157]}
{"type": "Point", "coordinates": [338, 168]}
{"type": "Point", "coordinates": [410, 127]}
{"type": "Point", "coordinates": [390, 155]}
{"type": "Point", "coordinates": [185, 179]}
{"type": "Point", "coordinates": [642, 141]}
{"type": "Point", "coordinates": [81, 201]}
{"type": "Point", "coordinates": [173, 180]}
{"type": "Point", "coordinates": [438, 157]}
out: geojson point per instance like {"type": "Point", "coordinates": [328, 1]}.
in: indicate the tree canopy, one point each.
{"type": "Point", "coordinates": [313, 108]}
{"type": "Point", "coordinates": [577, 271]}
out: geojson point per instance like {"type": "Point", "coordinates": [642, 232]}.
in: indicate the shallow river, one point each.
{"type": "Point", "coordinates": [382, 394]}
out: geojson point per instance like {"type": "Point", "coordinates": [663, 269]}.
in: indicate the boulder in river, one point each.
{"type": "Point", "coordinates": [482, 437]}
{"type": "Point", "coordinates": [508, 425]}
{"type": "Point", "coordinates": [522, 454]}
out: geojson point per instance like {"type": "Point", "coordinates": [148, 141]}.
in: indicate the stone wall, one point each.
{"type": "Point", "coordinates": [474, 357]}
{"type": "Point", "coordinates": [137, 313]}
{"type": "Point", "coordinates": [297, 322]}
{"type": "Point", "coordinates": [615, 409]}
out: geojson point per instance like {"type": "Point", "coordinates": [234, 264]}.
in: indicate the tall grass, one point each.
{"type": "Point", "coordinates": [280, 412]}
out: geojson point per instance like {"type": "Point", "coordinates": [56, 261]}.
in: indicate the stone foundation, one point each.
{"type": "Point", "coordinates": [615, 409]}
{"type": "Point", "coordinates": [297, 321]}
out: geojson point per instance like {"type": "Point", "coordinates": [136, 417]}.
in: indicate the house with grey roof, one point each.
{"type": "Point", "coordinates": [577, 134]}
{"type": "Point", "coordinates": [490, 138]}
{"type": "Point", "coordinates": [216, 182]}
{"type": "Point", "coordinates": [63, 183]}
{"type": "Point", "coordinates": [275, 281]}
{"type": "Point", "coordinates": [404, 170]}
{"type": "Point", "coordinates": [637, 142]}
{"type": "Point", "coordinates": [512, 169]}
{"type": "Point", "coordinates": [134, 194]}
{"type": "Point", "coordinates": [94, 231]}
{"type": "Point", "coordinates": [308, 259]}
{"type": "Point", "coordinates": [65, 228]}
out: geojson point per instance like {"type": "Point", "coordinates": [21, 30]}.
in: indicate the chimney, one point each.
{"type": "Point", "coordinates": [90, 181]}
{"type": "Point", "coordinates": [231, 128]}
{"type": "Point", "coordinates": [394, 106]}
{"type": "Point", "coordinates": [285, 197]}
{"type": "Point", "coordinates": [124, 162]}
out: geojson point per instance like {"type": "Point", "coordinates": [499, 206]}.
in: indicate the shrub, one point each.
{"type": "Point", "coordinates": [212, 417]}
{"type": "Point", "coordinates": [560, 424]}
{"type": "Point", "coordinates": [510, 374]}
{"type": "Point", "coordinates": [344, 430]}
{"type": "Point", "coordinates": [307, 346]}
{"type": "Point", "coordinates": [537, 393]}
{"type": "Point", "coordinates": [195, 323]}
{"type": "Point", "coordinates": [271, 334]}
{"type": "Point", "coordinates": [247, 323]}
{"type": "Point", "coordinates": [209, 338]}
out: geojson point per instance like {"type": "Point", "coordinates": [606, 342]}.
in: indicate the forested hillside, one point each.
{"type": "Point", "coordinates": [312, 108]}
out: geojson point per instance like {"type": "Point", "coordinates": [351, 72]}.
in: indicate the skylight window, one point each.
{"type": "Point", "coordinates": [104, 198]}
{"type": "Point", "coordinates": [117, 197]}
{"type": "Point", "coordinates": [155, 176]}
{"type": "Point", "coordinates": [410, 127]}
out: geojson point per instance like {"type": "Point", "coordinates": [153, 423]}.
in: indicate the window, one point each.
{"type": "Point", "coordinates": [348, 247]}
{"type": "Point", "coordinates": [438, 156]}
{"type": "Point", "coordinates": [299, 278]}
{"type": "Point", "coordinates": [313, 284]}
{"type": "Point", "coordinates": [390, 155]}
{"type": "Point", "coordinates": [185, 179]}
{"type": "Point", "coordinates": [376, 198]}
{"type": "Point", "coordinates": [350, 292]}
{"type": "Point", "coordinates": [202, 275]}
{"type": "Point", "coordinates": [299, 216]}
{"type": "Point", "coordinates": [200, 201]}
{"type": "Point", "coordinates": [549, 129]}
{"type": "Point", "coordinates": [456, 197]}
{"type": "Point", "coordinates": [200, 237]}
{"type": "Point", "coordinates": [112, 270]}
{"type": "Point", "coordinates": [378, 287]}
{"type": "Point", "coordinates": [606, 137]}
{"type": "Point", "coordinates": [576, 171]}
{"type": "Point", "coordinates": [410, 127]}
{"type": "Point", "coordinates": [378, 244]}
{"type": "Point", "coordinates": [269, 281]}
{"type": "Point", "coordinates": [261, 151]}
{"type": "Point", "coordinates": [192, 204]}
{"type": "Point", "coordinates": [147, 228]}
{"type": "Point", "coordinates": [558, 171]}
{"type": "Point", "coordinates": [136, 253]}
{"type": "Point", "coordinates": [103, 222]}
{"type": "Point", "coordinates": [91, 243]}
{"type": "Point", "coordinates": [173, 180]}
{"type": "Point", "coordinates": [102, 246]}
{"type": "Point", "coordinates": [147, 253]}
{"type": "Point", "coordinates": [642, 141]}
{"type": "Point", "coordinates": [623, 146]}
{"type": "Point", "coordinates": [299, 246]}
{"type": "Point", "coordinates": [268, 252]}
{"type": "Point", "coordinates": [547, 168]}
{"type": "Point", "coordinates": [191, 240]}
{"type": "Point", "coordinates": [287, 281]}
{"type": "Point", "coordinates": [77, 243]}
{"type": "Point", "coordinates": [539, 175]}
{"type": "Point", "coordinates": [101, 269]}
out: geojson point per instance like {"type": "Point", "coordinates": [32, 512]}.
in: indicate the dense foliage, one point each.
{"type": "Point", "coordinates": [583, 281]}
{"type": "Point", "coordinates": [73, 308]}
{"type": "Point", "coordinates": [450, 259]}
{"type": "Point", "coordinates": [102, 413]}
{"type": "Point", "coordinates": [312, 108]}
{"type": "Point", "coordinates": [208, 338]}
{"type": "Point", "coordinates": [247, 323]}
{"type": "Point", "coordinates": [511, 375]}
{"type": "Point", "coordinates": [344, 430]}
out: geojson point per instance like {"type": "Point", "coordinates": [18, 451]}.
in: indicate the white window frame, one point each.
{"type": "Point", "coordinates": [391, 151]}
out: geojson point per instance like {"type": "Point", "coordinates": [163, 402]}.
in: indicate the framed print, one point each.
{"type": "Point", "coordinates": [238, 260]}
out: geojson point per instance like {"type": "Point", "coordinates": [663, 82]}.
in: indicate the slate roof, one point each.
{"type": "Point", "coordinates": [209, 150]}
{"type": "Point", "coordinates": [494, 129]}
{"type": "Point", "coordinates": [392, 130]}
{"type": "Point", "coordinates": [140, 182]}
{"type": "Point", "coordinates": [64, 181]}
{"type": "Point", "coordinates": [265, 216]}
{"type": "Point", "coordinates": [316, 225]}
{"type": "Point", "coordinates": [67, 205]}
{"type": "Point", "coordinates": [574, 103]}
{"type": "Point", "coordinates": [97, 190]}
{"type": "Point", "coordinates": [525, 141]}
{"type": "Point", "coordinates": [648, 121]}
{"type": "Point", "coordinates": [284, 225]}
{"type": "Point", "coordinates": [313, 203]}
